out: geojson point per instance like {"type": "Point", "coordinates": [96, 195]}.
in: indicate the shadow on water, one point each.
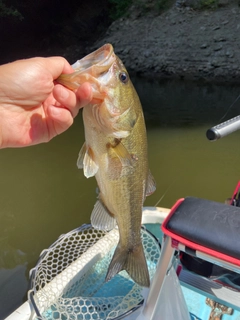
{"type": "Point", "coordinates": [182, 104]}
{"type": "Point", "coordinates": [42, 194]}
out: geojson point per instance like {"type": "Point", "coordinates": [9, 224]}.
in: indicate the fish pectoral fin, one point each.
{"type": "Point", "coordinates": [133, 261]}
{"type": "Point", "coordinates": [120, 162]}
{"type": "Point", "coordinates": [86, 161]}
{"type": "Point", "coordinates": [151, 184]}
{"type": "Point", "coordinates": [81, 156]}
{"type": "Point", "coordinates": [119, 151]}
{"type": "Point", "coordinates": [101, 218]}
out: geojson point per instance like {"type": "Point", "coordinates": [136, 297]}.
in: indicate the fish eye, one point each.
{"type": "Point", "coordinates": [123, 76]}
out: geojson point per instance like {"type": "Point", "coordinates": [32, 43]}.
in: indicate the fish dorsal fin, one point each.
{"type": "Point", "coordinates": [151, 184]}
{"type": "Point", "coordinates": [86, 161]}
{"type": "Point", "coordinates": [101, 218]}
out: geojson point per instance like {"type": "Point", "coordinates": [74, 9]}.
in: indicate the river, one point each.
{"type": "Point", "coordinates": [43, 194]}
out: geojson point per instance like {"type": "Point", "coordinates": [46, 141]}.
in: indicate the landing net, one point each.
{"type": "Point", "coordinates": [68, 282]}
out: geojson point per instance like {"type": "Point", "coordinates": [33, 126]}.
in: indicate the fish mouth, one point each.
{"type": "Point", "coordinates": [96, 62]}
{"type": "Point", "coordinates": [92, 68]}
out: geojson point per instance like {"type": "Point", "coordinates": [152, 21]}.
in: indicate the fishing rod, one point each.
{"type": "Point", "coordinates": [223, 129]}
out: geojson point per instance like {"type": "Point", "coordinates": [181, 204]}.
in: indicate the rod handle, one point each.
{"type": "Point", "coordinates": [223, 129]}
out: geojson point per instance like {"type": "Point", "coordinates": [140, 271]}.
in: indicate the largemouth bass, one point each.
{"type": "Point", "coordinates": [115, 152]}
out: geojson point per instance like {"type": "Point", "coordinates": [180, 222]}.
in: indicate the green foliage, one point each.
{"type": "Point", "coordinates": [208, 4]}
{"type": "Point", "coordinates": [6, 11]}
{"type": "Point", "coordinates": [142, 5]}
{"type": "Point", "coordinates": [163, 5]}
{"type": "Point", "coordinates": [118, 8]}
{"type": "Point", "coordinates": [158, 6]}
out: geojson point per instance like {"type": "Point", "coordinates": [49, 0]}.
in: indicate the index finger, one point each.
{"type": "Point", "coordinates": [57, 66]}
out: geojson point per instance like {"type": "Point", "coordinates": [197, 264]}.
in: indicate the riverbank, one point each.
{"type": "Point", "coordinates": [180, 43]}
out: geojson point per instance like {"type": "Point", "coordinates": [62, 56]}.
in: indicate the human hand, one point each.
{"type": "Point", "coordinates": [33, 109]}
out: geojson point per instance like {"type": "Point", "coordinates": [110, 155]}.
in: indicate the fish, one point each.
{"type": "Point", "coordinates": [115, 152]}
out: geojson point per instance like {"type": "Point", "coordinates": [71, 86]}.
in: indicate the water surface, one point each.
{"type": "Point", "coordinates": [43, 194]}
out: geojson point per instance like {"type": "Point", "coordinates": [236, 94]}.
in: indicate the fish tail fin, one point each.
{"type": "Point", "coordinates": [133, 261]}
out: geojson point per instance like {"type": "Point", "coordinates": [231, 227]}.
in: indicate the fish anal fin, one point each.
{"type": "Point", "coordinates": [101, 218]}
{"type": "Point", "coordinates": [86, 161]}
{"type": "Point", "coordinates": [151, 184]}
{"type": "Point", "coordinates": [133, 261]}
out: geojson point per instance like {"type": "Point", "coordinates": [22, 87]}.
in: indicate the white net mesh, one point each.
{"type": "Point", "coordinates": [68, 281]}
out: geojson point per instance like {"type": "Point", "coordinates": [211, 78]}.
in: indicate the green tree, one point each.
{"type": "Point", "coordinates": [118, 8]}
{"type": "Point", "coordinates": [6, 11]}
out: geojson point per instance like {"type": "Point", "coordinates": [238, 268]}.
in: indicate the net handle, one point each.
{"type": "Point", "coordinates": [33, 304]}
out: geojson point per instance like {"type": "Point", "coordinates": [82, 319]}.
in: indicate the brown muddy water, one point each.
{"type": "Point", "coordinates": [43, 194]}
